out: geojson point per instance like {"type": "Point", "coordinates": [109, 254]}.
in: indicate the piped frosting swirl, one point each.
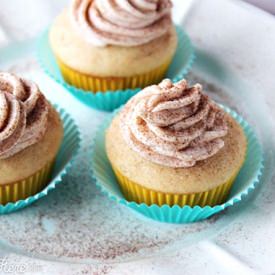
{"type": "Point", "coordinates": [173, 125]}
{"type": "Point", "coordinates": [23, 114]}
{"type": "Point", "coordinates": [121, 22]}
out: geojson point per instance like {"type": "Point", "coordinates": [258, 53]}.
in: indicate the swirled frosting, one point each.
{"type": "Point", "coordinates": [23, 114]}
{"type": "Point", "coordinates": [121, 22]}
{"type": "Point", "coordinates": [173, 125]}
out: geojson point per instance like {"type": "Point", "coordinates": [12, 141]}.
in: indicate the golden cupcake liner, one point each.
{"type": "Point", "coordinates": [12, 192]}
{"type": "Point", "coordinates": [103, 84]}
{"type": "Point", "coordinates": [140, 194]}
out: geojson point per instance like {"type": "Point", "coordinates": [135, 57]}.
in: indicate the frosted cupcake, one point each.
{"type": "Point", "coordinates": [30, 136]}
{"type": "Point", "coordinates": [171, 144]}
{"type": "Point", "coordinates": [108, 45]}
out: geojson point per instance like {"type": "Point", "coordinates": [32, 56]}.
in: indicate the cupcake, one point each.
{"type": "Point", "coordinates": [171, 144]}
{"type": "Point", "coordinates": [30, 136]}
{"type": "Point", "coordinates": [104, 45]}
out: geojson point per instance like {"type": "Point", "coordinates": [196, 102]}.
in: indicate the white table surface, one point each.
{"type": "Point", "coordinates": [242, 38]}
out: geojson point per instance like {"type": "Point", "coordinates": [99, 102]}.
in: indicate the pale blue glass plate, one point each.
{"type": "Point", "coordinates": [79, 224]}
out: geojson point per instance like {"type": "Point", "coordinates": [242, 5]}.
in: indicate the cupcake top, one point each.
{"type": "Point", "coordinates": [23, 114]}
{"type": "Point", "coordinates": [173, 125]}
{"type": "Point", "coordinates": [121, 22]}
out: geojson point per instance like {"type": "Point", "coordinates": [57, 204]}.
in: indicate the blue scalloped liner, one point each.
{"type": "Point", "coordinates": [110, 100]}
{"type": "Point", "coordinates": [245, 183]}
{"type": "Point", "coordinates": [64, 160]}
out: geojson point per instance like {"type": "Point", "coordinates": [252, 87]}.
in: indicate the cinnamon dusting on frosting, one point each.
{"type": "Point", "coordinates": [173, 125]}
{"type": "Point", "coordinates": [121, 22]}
{"type": "Point", "coordinates": [23, 114]}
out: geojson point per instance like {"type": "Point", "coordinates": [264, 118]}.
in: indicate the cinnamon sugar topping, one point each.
{"type": "Point", "coordinates": [23, 114]}
{"type": "Point", "coordinates": [173, 125]}
{"type": "Point", "coordinates": [123, 22]}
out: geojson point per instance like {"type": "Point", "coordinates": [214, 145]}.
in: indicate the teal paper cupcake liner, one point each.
{"type": "Point", "coordinates": [110, 100]}
{"type": "Point", "coordinates": [69, 148]}
{"type": "Point", "coordinates": [244, 184]}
